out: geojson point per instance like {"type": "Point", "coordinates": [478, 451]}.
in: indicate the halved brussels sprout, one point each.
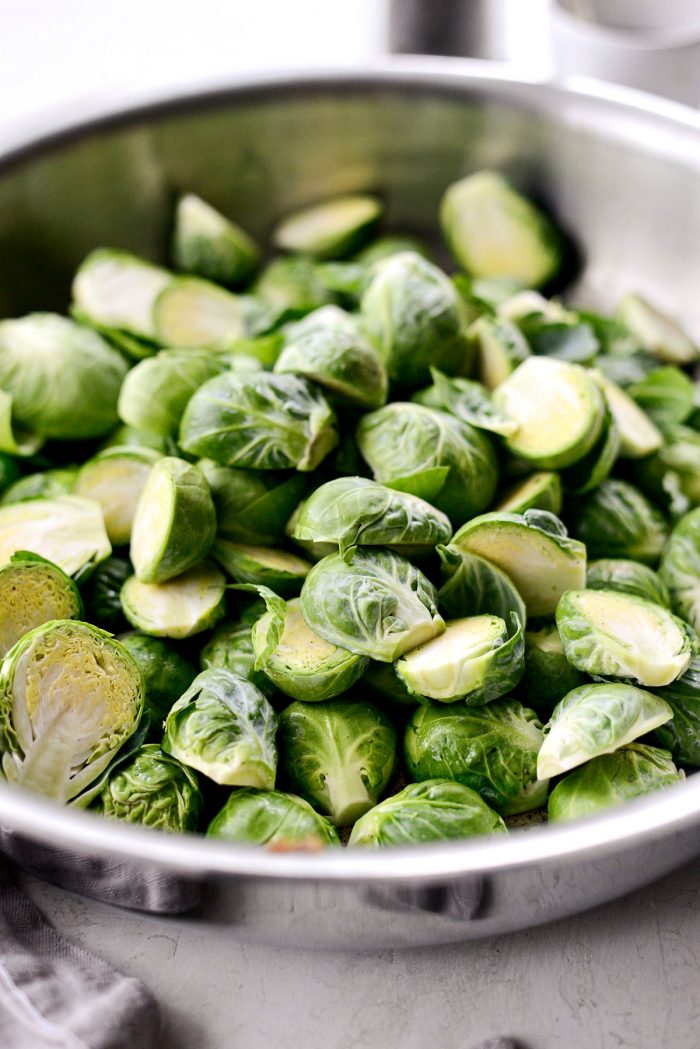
{"type": "Point", "coordinates": [67, 530]}
{"type": "Point", "coordinates": [252, 506]}
{"type": "Point", "coordinates": [115, 478]}
{"type": "Point", "coordinates": [665, 394]}
{"type": "Point", "coordinates": [339, 755]}
{"type": "Point", "coordinates": [548, 674]}
{"type": "Point", "coordinates": [383, 684]}
{"type": "Point", "coordinates": [610, 780]}
{"type": "Point", "coordinates": [62, 379]}
{"type": "Point", "coordinates": [280, 822]}
{"type": "Point", "coordinates": [430, 454]}
{"type": "Point", "coordinates": [292, 287]}
{"type": "Point", "coordinates": [618, 521]}
{"type": "Point", "coordinates": [434, 810]}
{"type": "Point", "coordinates": [224, 727]}
{"type": "Point", "coordinates": [412, 313]}
{"type": "Point", "coordinates": [331, 229]}
{"type": "Point", "coordinates": [680, 568]}
{"type": "Point", "coordinates": [231, 648]}
{"type": "Point", "coordinates": [376, 604]}
{"type": "Point", "coordinates": [33, 591]}
{"type": "Point", "coordinates": [328, 347]}
{"type": "Point", "coordinates": [354, 511]}
{"type": "Point", "coordinates": [175, 521]}
{"type": "Point", "coordinates": [129, 437]}
{"type": "Point", "coordinates": [681, 735]}
{"type": "Point", "coordinates": [629, 577]}
{"type": "Point", "coordinates": [656, 332]}
{"type": "Point", "coordinates": [467, 400]}
{"type": "Point", "coordinates": [101, 594]}
{"type": "Point", "coordinates": [493, 231]}
{"type": "Point", "coordinates": [493, 750]}
{"type": "Point", "coordinates": [533, 549]}
{"type": "Point", "coordinates": [261, 565]}
{"type": "Point", "coordinates": [190, 313]}
{"type": "Point", "coordinates": [153, 789]}
{"type": "Point", "coordinates": [597, 719]}
{"type": "Point", "coordinates": [539, 491]}
{"type": "Point", "coordinates": [639, 436]}
{"type": "Point", "coordinates": [70, 696]}
{"type": "Point", "coordinates": [183, 606]}
{"type": "Point", "coordinates": [114, 289]}
{"type": "Point", "coordinates": [166, 674]}
{"type": "Point", "coordinates": [209, 245]}
{"type": "Point", "coordinates": [261, 421]}
{"type": "Point", "coordinates": [47, 484]}
{"type": "Point", "coordinates": [499, 347]}
{"type": "Point", "coordinates": [558, 408]}
{"type": "Point", "coordinates": [155, 392]}
{"type": "Point", "coordinates": [300, 662]}
{"type": "Point", "coordinates": [474, 586]}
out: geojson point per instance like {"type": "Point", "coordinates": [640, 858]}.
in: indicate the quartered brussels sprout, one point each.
{"type": "Point", "coordinates": [68, 530]}
{"type": "Point", "coordinates": [261, 565]}
{"type": "Point", "coordinates": [629, 577]}
{"type": "Point", "coordinates": [499, 347]}
{"type": "Point", "coordinates": [434, 810]}
{"type": "Point", "coordinates": [375, 604]}
{"type": "Point", "coordinates": [190, 313]}
{"type": "Point", "coordinates": [179, 608]}
{"type": "Point", "coordinates": [298, 660]}
{"type": "Point", "coordinates": [610, 780]}
{"type": "Point", "coordinates": [70, 696]}
{"type": "Point", "coordinates": [680, 568]}
{"type": "Point", "coordinates": [493, 750]}
{"type": "Point", "coordinates": [431, 454]}
{"type": "Point", "coordinates": [354, 511]}
{"type": "Point", "coordinates": [467, 400]}
{"type": "Point", "coordinates": [493, 231]}
{"type": "Point", "coordinates": [224, 727]}
{"type": "Point", "coordinates": [331, 229]}
{"type": "Point", "coordinates": [175, 521]}
{"type": "Point", "coordinates": [548, 674]}
{"type": "Point", "coordinates": [533, 549]}
{"type": "Point", "coordinates": [33, 591]}
{"type": "Point", "coordinates": [665, 394]}
{"type": "Point", "coordinates": [639, 435]}
{"type": "Point", "coordinates": [681, 735]}
{"type": "Point", "coordinates": [252, 506]}
{"type": "Point", "coordinates": [155, 392]}
{"type": "Point", "coordinates": [260, 422]}
{"type": "Point", "coordinates": [115, 478]}
{"type": "Point", "coordinates": [154, 789]}
{"type": "Point", "coordinates": [62, 380]}
{"type": "Point", "coordinates": [280, 822]}
{"type": "Point", "coordinates": [558, 408]}
{"type": "Point", "coordinates": [292, 287]}
{"type": "Point", "coordinates": [209, 245]}
{"type": "Point", "coordinates": [113, 289]}
{"type": "Point", "coordinates": [597, 719]}
{"type": "Point", "coordinates": [231, 648]}
{"type": "Point", "coordinates": [412, 313]}
{"type": "Point", "coordinates": [618, 521]}
{"type": "Point", "coordinates": [166, 674]}
{"type": "Point", "coordinates": [539, 491]}
{"type": "Point", "coordinates": [101, 594]}
{"type": "Point", "coordinates": [655, 332]}
{"type": "Point", "coordinates": [47, 484]}
{"type": "Point", "coordinates": [339, 755]}
{"type": "Point", "coordinates": [328, 347]}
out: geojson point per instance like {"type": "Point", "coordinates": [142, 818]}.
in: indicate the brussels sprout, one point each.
{"type": "Point", "coordinates": [680, 568]}
{"type": "Point", "coordinates": [639, 436]}
{"type": "Point", "coordinates": [533, 549]}
{"type": "Point", "coordinates": [175, 521]}
{"type": "Point", "coordinates": [594, 468]}
{"type": "Point", "coordinates": [331, 229]}
{"type": "Point", "coordinates": [68, 531]}
{"type": "Point", "coordinates": [292, 287]}
{"type": "Point", "coordinates": [153, 789]}
{"type": "Point", "coordinates": [224, 727]}
{"type": "Point", "coordinates": [9, 471]}
{"type": "Point", "coordinates": [339, 755]}
{"type": "Point", "coordinates": [114, 289]}
{"type": "Point", "coordinates": [618, 521]}
{"type": "Point", "coordinates": [166, 674]}
{"type": "Point", "coordinates": [548, 674]}
{"type": "Point", "coordinates": [656, 332]}
{"type": "Point", "coordinates": [354, 511]}
{"type": "Point", "coordinates": [183, 606]}
{"type": "Point", "coordinates": [430, 454]}
{"type": "Point", "coordinates": [499, 347]}
{"type": "Point", "coordinates": [597, 719]}
{"type": "Point", "coordinates": [384, 685]}
{"type": "Point", "coordinates": [280, 822]}
{"type": "Point", "coordinates": [376, 604]}
{"type": "Point", "coordinates": [70, 696]}
{"type": "Point", "coordinates": [493, 750]}
{"type": "Point", "coordinates": [629, 577]}
{"type": "Point", "coordinates": [434, 810]}
{"type": "Point", "coordinates": [101, 594]}
{"type": "Point", "coordinates": [190, 313]}
{"type": "Point", "coordinates": [390, 244]}
{"type": "Point", "coordinates": [413, 315]}
{"type": "Point", "coordinates": [665, 394]}
{"type": "Point", "coordinates": [63, 379]}
{"type": "Point", "coordinates": [281, 571]}
{"type": "Point", "coordinates": [298, 660]}
{"type": "Point", "coordinates": [130, 437]}
{"type": "Point", "coordinates": [625, 369]}
{"type": "Point", "coordinates": [671, 476]}
{"type": "Point", "coordinates": [570, 340]}
{"type": "Point", "coordinates": [211, 246]}
{"type": "Point", "coordinates": [615, 338]}
{"type": "Point", "coordinates": [468, 401]}
{"type": "Point", "coordinates": [33, 591]}
{"type": "Point", "coordinates": [610, 780]}
{"type": "Point", "coordinates": [539, 491]}
{"type": "Point", "coordinates": [558, 408]}
{"type": "Point", "coordinates": [252, 506]}
{"type": "Point", "coordinates": [347, 281]}
{"type": "Point", "coordinates": [231, 647]}
{"type": "Point", "coordinates": [681, 735]}
{"type": "Point", "coordinates": [48, 484]}
{"type": "Point", "coordinates": [262, 421]}
{"type": "Point", "coordinates": [526, 305]}
{"type": "Point", "coordinates": [155, 392]}
{"type": "Point", "coordinates": [115, 479]}
{"type": "Point", "coordinates": [474, 586]}
{"type": "Point", "coordinates": [327, 346]}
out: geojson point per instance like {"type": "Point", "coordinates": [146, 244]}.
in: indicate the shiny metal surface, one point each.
{"type": "Point", "coordinates": [622, 173]}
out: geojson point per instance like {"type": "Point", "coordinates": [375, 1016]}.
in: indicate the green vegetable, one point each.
{"type": "Point", "coordinates": [48, 484]}
{"type": "Point", "coordinates": [329, 230]}
{"type": "Point", "coordinates": [665, 394]}
{"type": "Point", "coordinates": [33, 591]}
{"type": "Point", "coordinates": [252, 506]}
{"type": "Point", "coordinates": [499, 347]}
{"type": "Point", "coordinates": [155, 392]}
{"type": "Point", "coordinates": [231, 648]}
{"type": "Point", "coordinates": [115, 478]}
{"type": "Point", "coordinates": [681, 735]}
{"type": "Point", "coordinates": [153, 789]}
{"type": "Point", "coordinates": [680, 568]}
{"type": "Point", "coordinates": [278, 821]}
{"type": "Point", "coordinates": [639, 436]}
{"type": "Point", "coordinates": [190, 313]}
{"type": "Point", "coordinates": [101, 594]}
{"type": "Point", "coordinates": [548, 674]}
{"type": "Point", "coordinates": [469, 401]}
{"type": "Point", "coordinates": [211, 246]}
{"type": "Point", "coordinates": [68, 531]}
{"type": "Point", "coordinates": [539, 491]}
{"type": "Point", "coordinates": [9, 471]}
{"type": "Point", "coordinates": [166, 674]}
{"type": "Point", "coordinates": [618, 521]}
{"type": "Point", "coordinates": [260, 565]}
{"type": "Point", "coordinates": [116, 290]}
{"type": "Point", "coordinates": [292, 287]}
{"type": "Point", "coordinates": [629, 577]}
{"type": "Point", "coordinates": [656, 332]}
{"type": "Point", "coordinates": [181, 607]}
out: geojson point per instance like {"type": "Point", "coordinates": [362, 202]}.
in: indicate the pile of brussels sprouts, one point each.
{"type": "Point", "coordinates": [335, 543]}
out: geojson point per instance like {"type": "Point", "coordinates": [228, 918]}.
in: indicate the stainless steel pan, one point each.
{"type": "Point", "coordinates": [622, 173]}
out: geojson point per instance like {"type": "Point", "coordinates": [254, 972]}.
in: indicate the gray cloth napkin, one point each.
{"type": "Point", "coordinates": [55, 995]}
